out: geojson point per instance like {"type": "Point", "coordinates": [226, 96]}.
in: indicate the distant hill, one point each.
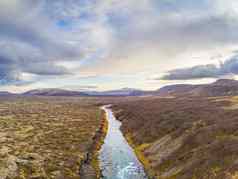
{"type": "Point", "coordinates": [222, 87]}
{"type": "Point", "coordinates": [62, 92]}
{"type": "Point", "coordinates": [179, 89]}
{"type": "Point", "coordinates": [53, 92]}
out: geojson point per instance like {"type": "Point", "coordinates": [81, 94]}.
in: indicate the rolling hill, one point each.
{"type": "Point", "coordinates": [222, 87]}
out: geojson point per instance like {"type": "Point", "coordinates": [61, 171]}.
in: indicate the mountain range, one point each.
{"type": "Point", "coordinates": [222, 87]}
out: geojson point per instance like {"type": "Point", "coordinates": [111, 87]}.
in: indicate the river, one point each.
{"type": "Point", "coordinates": [117, 158]}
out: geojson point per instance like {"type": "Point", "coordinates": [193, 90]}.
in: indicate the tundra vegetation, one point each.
{"type": "Point", "coordinates": [47, 137]}
{"type": "Point", "coordinates": [174, 137]}
{"type": "Point", "coordinates": [183, 138]}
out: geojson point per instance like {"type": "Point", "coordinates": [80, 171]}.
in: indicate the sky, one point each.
{"type": "Point", "coordinates": [112, 44]}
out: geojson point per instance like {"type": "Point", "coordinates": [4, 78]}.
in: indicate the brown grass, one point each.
{"type": "Point", "coordinates": [46, 137]}
{"type": "Point", "coordinates": [98, 143]}
{"type": "Point", "coordinates": [184, 138]}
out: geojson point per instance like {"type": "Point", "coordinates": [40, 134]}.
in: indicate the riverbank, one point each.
{"type": "Point", "coordinates": [138, 149]}
{"type": "Point", "coordinates": [140, 155]}
{"type": "Point", "coordinates": [90, 167]}
{"type": "Point", "coordinates": [183, 137]}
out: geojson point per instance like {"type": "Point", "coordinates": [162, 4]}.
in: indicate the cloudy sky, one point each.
{"type": "Point", "coordinates": [110, 44]}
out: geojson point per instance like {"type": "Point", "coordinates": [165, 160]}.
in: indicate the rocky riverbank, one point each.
{"type": "Point", "coordinates": [89, 168]}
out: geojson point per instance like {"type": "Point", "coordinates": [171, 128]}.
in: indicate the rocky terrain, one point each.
{"type": "Point", "coordinates": [183, 138]}
{"type": "Point", "coordinates": [46, 137]}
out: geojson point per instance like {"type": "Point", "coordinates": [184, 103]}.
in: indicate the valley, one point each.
{"type": "Point", "coordinates": [173, 135]}
{"type": "Point", "coordinates": [118, 89]}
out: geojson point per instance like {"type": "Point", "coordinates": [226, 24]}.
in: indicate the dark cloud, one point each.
{"type": "Point", "coordinates": [202, 71]}
{"type": "Point", "coordinates": [8, 72]}
{"type": "Point", "coordinates": [44, 68]}
{"type": "Point", "coordinates": [30, 43]}
{"type": "Point", "coordinates": [11, 70]}
{"type": "Point", "coordinates": [17, 58]}
{"type": "Point", "coordinates": [229, 67]}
